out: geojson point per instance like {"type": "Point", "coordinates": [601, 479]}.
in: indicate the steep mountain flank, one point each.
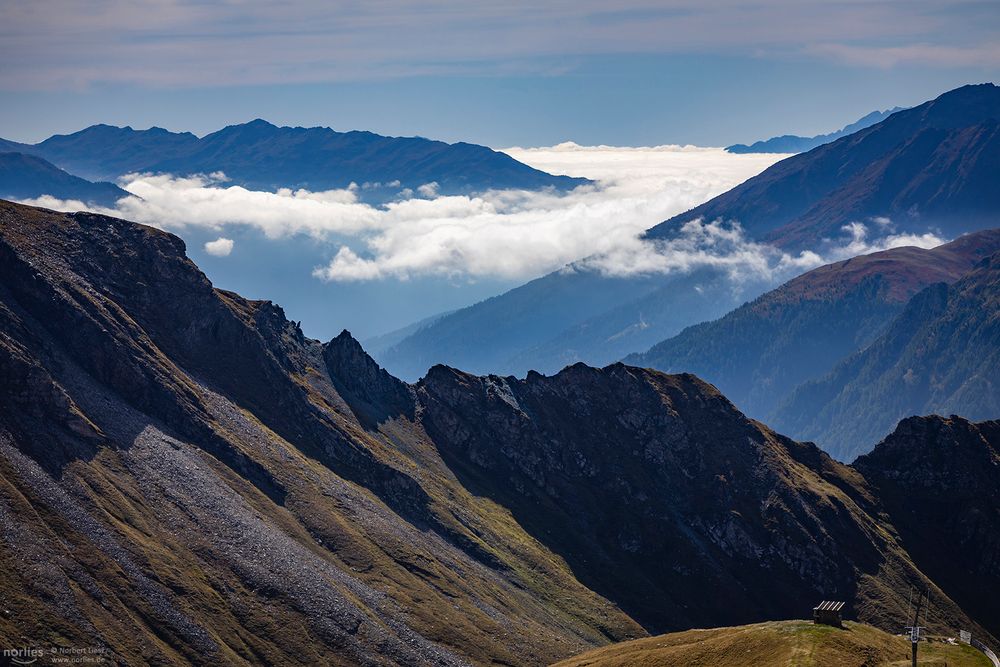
{"type": "Point", "coordinates": [930, 167]}
{"type": "Point", "coordinates": [759, 353]}
{"type": "Point", "coordinates": [186, 478]}
{"type": "Point", "coordinates": [664, 498]}
{"type": "Point", "coordinates": [27, 177]}
{"type": "Point", "coordinates": [937, 478]}
{"type": "Point", "coordinates": [940, 355]}
{"type": "Point", "coordinates": [183, 482]}
{"type": "Point", "coordinates": [262, 156]}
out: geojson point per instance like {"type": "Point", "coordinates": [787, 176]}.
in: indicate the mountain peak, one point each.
{"type": "Point", "coordinates": [969, 105]}
{"type": "Point", "coordinates": [930, 168]}
{"type": "Point", "coordinates": [256, 128]}
{"type": "Point", "coordinates": [260, 123]}
{"type": "Point", "coordinates": [372, 393]}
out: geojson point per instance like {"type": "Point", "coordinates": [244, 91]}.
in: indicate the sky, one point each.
{"type": "Point", "coordinates": [629, 73]}
{"type": "Point", "coordinates": [632, 94]}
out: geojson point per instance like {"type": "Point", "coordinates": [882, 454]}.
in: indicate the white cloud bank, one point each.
{"type": "Point", "coordinates": [510, 234]}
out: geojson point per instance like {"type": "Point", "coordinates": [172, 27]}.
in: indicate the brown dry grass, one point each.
{"type": "Point", "coordinates": [777, 644]}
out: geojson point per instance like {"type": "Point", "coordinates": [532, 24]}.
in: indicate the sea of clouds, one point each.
{"type": "Point", "coordinates": [512, 234]}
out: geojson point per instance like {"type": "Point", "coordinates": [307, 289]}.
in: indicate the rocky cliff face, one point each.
{"type": "Point", "coordinates": [665, 498]}
{"type": "Point", "coordinates": [938, 479]}
{"type": "Point", "coordinates": [185, 478]}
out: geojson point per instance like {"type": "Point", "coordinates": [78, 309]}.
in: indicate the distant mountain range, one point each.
{"type": "Point", "coordinates": [187, 479]}
{"type": "Point", "coordinates": [932, 167]}
{"type": "Point", "coordinates": [761, 352]}
{"type": "Point", "coordinates": [929, 168]}
{"type": "Point", "coordinates": [790, 143]}
{"type": "Point", "coordinates": [564, 317]}
{"type": "Point", "coordinates": [27, 177]}
{"type": "Point", "coordinates": [262, 156]}
{"type": "Point", "coordinates": [382, 342]}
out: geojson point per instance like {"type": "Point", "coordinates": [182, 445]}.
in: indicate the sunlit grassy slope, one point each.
{"type": "Point", "coordinates": [777, 644]}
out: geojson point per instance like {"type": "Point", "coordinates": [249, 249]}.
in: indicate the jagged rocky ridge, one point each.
{"type": "Point", "coordinates": [184, 477]}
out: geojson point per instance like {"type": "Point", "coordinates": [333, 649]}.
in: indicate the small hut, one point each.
{"type": "Point", "coordinates": [827, 612]}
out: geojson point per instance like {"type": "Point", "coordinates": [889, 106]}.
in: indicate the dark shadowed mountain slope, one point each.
{"type": "Point", "coordinates": [939, 478]}
{"type": "Point", "coordinates": [940, 355]}
{"type": "Point", "coordinates": [930, 167]}
{"type": "Point", "coordinates": [259, 155]}
{"type": "Point", "coordinates": [187, 478]}
{"type": "Point", "coordinates": [790, 143]}
{"type": "Point", "coordinates": [26, 177]}
{"type": "Point", "coordinates": [758, 353]}
{"type": "Point", "coordinates": [663, 497]}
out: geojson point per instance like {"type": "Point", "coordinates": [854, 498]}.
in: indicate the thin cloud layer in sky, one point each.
{"type": "Point", "coordinates": [67, 43]}
{"type": "Point", "coordinates": [506, 234]}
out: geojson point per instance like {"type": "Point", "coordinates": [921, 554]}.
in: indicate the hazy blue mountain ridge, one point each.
{"type": "Point", "coordinates": [792, 143]}
{"type": "Point", "coordinates": [27, 177]}
{"type": "Point", "coordinates": [262, 156]}
{"type": "Point", "coordinates": [759, 353]}
{"type": "Point", "coordinates": [940, 355]}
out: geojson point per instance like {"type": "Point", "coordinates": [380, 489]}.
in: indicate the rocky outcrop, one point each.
{"type": "Point", "coordinates": [373, 394]}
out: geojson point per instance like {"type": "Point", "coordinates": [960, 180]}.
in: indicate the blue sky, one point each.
{"type": "Point", "coordinates": [633, 73]}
